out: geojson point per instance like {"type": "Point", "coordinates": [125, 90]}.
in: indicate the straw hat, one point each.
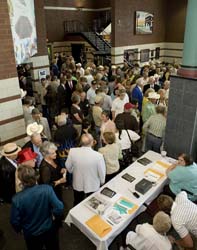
{"type": "Point", "coordinates": [34, 128]}
{"type": "Point", "coordinates": [100, 67]}
{"type": "Point", "coordinates": [10, 149]}
{"type": "Point", "coordinates": [26, 155]}
{"type": "Point", "coordinates": [153, 95]}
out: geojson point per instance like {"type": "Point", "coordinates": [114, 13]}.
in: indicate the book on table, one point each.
{"type": "Point", "coordinates": [95, 203]}
{"type": "Point", "coordinates": [144, 161]}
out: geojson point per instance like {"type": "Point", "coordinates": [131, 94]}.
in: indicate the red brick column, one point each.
{"type": "Point", "coordinates": [12, 126]}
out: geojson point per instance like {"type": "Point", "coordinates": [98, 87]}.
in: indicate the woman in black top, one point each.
{"type": "Point", "coordinates": [76, 114]}
{"type": "Point", "coordinates": [50, 172]}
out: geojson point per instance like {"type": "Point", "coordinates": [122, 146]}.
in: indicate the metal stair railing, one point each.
{"type": "Point", "coordinates": [75, 26]}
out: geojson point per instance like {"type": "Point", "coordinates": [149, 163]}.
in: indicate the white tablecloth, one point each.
{"type": "Point", "coordinates": [80, 213]}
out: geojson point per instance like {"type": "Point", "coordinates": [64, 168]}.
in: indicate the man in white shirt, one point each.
{"type": "Point", "coordinates": [80, 69]}
{"type": "Point", "coordinates": [184, 218]}
{"type": "Point", "coordinates": [151, 237]}
{"type": "Point", "coordinates": [91, 93]}
{"type": "Point", "coordinates": [118, 103]}
{"type": "Point", "coordinates": [88, 169]}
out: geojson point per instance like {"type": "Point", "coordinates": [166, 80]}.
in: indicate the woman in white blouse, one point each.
{"type": "Point", "coordinates": [125, 138]}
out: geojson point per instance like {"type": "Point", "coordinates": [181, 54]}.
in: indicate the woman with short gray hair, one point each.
{"type": "Point", "coordinates": [50, 172]}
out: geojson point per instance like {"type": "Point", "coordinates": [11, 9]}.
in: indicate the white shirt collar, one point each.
{"type": "Point", "coordinates": [12, 162]}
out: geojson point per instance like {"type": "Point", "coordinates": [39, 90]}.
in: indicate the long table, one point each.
{"type": "Point", "coordinates": [79, 214]}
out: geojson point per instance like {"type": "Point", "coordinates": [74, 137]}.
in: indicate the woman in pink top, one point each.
{"type": "Point", "coordinates": [107, 124]}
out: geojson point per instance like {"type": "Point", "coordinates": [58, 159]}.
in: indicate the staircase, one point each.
{"type": "Point", "coordinates": [95, 39]}
{"type": "Point", "coordinates": [97, 42]}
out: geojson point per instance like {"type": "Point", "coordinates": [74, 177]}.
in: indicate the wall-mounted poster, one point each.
{"type": "Point", "coordinates": [23, 26]}
{"type": "Point", "coordinates": [144, 55]}
{"type": "Point", "coordinates": [131, 56]}
{"type": "Point", "coordinates": [144, 22]}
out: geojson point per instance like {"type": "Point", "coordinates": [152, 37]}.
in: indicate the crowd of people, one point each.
{"type": "Point", "coordinates": [84, 126]}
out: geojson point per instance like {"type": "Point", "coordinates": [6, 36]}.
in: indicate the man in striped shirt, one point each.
{"type": "Point", "coordinates": [184, 218]}
{"type": "Point", "coordinates": [154, 129]}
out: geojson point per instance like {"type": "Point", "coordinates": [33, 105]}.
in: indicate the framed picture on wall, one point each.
{"type": "Point", "coordinates": [131, 56]}
{"type": "Point", "coordinates": [144, 55]}
{"type": "Point", "coordinates": [143, 22]}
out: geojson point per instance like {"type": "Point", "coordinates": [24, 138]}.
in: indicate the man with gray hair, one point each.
{"type": "Point", "coordinates": [88, 168]}
{"type": "Point", "coordinates": [151, 237]}
{"type": "Point", "coordinates": [107, 101]}
{"type": "Point", "coordinates": [35, 144]}
{"type": "Point", "coordinates": [137, 92]}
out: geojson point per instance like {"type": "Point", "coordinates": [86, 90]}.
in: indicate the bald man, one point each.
{"type": "Point", "coordinates": [88, 169]}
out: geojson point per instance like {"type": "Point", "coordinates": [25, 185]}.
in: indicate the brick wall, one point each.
{"type": "Point", "coordinates": [123, 22]}
{"type": "Point", "coordinates": [175, 20]}
{"type": "Point", "coordinates": [7, 60]}
{"type": "Point", "coordinates": [40, 27]}
{"type": "Point", "coordinates": [55, 22]}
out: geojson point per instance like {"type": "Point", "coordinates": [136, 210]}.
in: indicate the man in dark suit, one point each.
{"type": "Point", "coordinates": [70, 86]}
{"type": "Point", "coordinates": [151, 84]}
{"type": "Point", "coordinates": [34, 144]}
{"type": "Point", "coordinates": [61, 95]}
{"type": "Point", "coordinates": [8, 167]}
{"type": "Point", "coordinates": [137, 93]}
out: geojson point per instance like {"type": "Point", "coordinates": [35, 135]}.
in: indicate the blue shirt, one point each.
{"type": "Point", "coordinates": [32, 210]}
{"type": "Point", "coordinates": [184, 177]}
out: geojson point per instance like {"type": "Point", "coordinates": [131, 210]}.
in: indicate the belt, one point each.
{"type": "Point", "coordinates": [155, 136]}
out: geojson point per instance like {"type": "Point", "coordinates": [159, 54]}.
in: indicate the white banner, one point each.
{"type": "Point", "coordinates": [23, 26]}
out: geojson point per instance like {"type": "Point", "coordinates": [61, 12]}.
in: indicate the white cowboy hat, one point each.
{"type": "Point", "coordinates": [34, 128]}
{"type": "Point", "coordinates": [153, 95]}
{"type": "Point", "coordinates": [78, 64]}
{"type": "Point", "coordinates": [10, 149]}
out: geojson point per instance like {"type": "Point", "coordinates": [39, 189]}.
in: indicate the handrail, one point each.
{"type": "Point", "coordinates": [75, 26]}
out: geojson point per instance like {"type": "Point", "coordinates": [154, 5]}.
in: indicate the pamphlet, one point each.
{"type": "Point", "coordinates": [122, 208]}
{"type": "Point", "coordinates": [153, 174]}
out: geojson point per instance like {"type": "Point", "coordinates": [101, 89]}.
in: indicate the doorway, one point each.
{"type": "Point", "coordinates": [77, 50]}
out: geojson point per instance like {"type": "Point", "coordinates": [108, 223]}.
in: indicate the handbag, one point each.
{"type": "Point", "coordinates": [134, 147]}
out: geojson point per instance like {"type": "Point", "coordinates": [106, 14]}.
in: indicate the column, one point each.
{"type": "Point", "coordinates": [12, 126]}
{"type": "Point", "coordinates": [189, 63]}
{"type": "Point", "coordinates": [181, 128]}
{"type": "Point", "coordinates": [40, 61]}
